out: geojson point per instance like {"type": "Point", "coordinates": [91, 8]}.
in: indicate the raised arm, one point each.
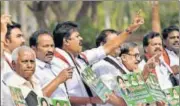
{"type": "Point", "coordinates": [5, 19]}
{"type": "Point", "coordinates": [117, 41]}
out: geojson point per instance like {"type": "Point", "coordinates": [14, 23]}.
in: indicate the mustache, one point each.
{"type": "Point", "coordinates": [81, 42]}
{"type": "Point", "coordinates": [157, 49]}
{"type": "Point", "coordinates": [177, 42]}
{"type": "Point", "coordinates": [22, 44]}
{"type": "Point", "coordinates": [49, 53]}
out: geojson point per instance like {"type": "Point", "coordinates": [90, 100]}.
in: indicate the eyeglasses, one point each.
{"type": "Point", "coordinates": [137, 55]}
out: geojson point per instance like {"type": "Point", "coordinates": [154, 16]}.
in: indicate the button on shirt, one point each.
{"type": "Point", "coordinates": [45, 73]}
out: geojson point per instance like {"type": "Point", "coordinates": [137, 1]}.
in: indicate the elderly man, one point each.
{"type": "Point", "coordinates": [23, 64]}
{"type": "Point", "coordinates": [130, 57]}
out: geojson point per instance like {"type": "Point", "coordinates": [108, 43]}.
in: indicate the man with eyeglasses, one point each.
{"type": "Point", "coordinates": [130, 57]}
{"type": "Point", "coordinates": [68, 43]}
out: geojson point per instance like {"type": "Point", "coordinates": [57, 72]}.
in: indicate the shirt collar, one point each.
{"type": "Point", "coordinates": [8, 56]}
{"type": "Point", "coordinates": [16, 80]}
{"type": "Point", "coordinates": [42, 64]}
{"type": "Point", "coordinates": [170, 52]}
{"type": "Point", "coordinates": [123, 67]}
{"type": "Point", "coordinates": [113, 58]}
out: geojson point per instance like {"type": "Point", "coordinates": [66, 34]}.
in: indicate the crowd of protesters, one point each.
{"type": "Point", "coordinates": [51, 65]}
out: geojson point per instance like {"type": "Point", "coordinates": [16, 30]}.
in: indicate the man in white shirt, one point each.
{"type": "Point", "coordinates": [23, 64]}
{"type": "Point", "coordinates": [152, 44]}
{"type": "Point", "coordinates": [13, 39]}
{"type": "Point", "coordinates": [5, 93]}
{"type": "Point", "coordinates": [68, 43]}
{"type": "Point", "coordinates": [130, 57]}
{"type": "Point", "coordinates": [49, 71]}
{"type": "Point", "coordinates": [171, 44]}
{"type": "Point", "coordinates": [108, 68]}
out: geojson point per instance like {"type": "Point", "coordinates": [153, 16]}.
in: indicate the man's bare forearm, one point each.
{"type": "Point", "coordinates": [79, 100]}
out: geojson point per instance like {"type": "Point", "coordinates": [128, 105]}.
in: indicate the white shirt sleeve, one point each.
{"type": "Point", "coordinates": [95, 54]}
{"type": "Point", "coordinates": [102, 68]}
{"type": "Point", "coordinates": [6, 99]}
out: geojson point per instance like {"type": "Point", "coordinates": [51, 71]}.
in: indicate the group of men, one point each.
{"type": "Point", "coordinates": [52, 63]}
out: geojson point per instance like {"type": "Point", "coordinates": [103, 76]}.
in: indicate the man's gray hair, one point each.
{"type": "Point", "coordinates": [124, 49]}
{"type": "Point", "coordinates": [16, 51]}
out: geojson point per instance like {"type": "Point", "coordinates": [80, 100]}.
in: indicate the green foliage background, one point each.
{"type": "Point", "coordinates": [120, 13]}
